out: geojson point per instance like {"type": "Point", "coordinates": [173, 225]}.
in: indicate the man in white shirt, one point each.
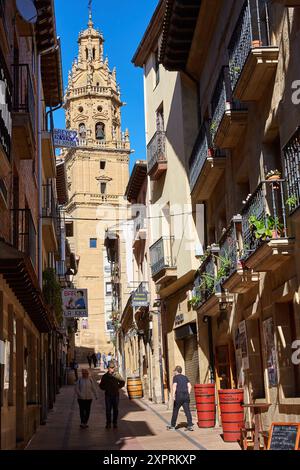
{"type": "Point", "coordinates": [85, 390]}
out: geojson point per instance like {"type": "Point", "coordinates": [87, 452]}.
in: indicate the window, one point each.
{"type": "Point", "coordinates": [102, 164]}
{"type": "Point", "coordinates": [93, 242]}
{"type": "Point", "coordinates": [103, 188]}
{"type": "Point", "coordinates": [69, 229]}
{"type": "Point", "coordinates": [160, 123]}
{"type": "Point", "coordinates": [84, 324]}
{"type": "Point", "coordinates": [82, 131]}
{"type": "Point", "coordinates": [156, 67]}
{"type": "Point", "coordinates": [100, 131]}
{"type": "Point", "coordinates": [108, 288]}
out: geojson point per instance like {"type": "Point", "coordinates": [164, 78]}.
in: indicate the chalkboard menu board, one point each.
{"type": "Point", "coordinates": [284, 436]}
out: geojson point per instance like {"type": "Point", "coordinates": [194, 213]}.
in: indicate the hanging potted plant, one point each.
{"type": "Point", "coordinates": [273, 175]}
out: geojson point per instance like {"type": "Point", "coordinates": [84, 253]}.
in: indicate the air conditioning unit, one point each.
{"type": "Point", "coordinates": [3, 194]}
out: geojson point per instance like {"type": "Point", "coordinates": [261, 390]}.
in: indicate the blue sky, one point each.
{"type": "Point", "coordinates": [123, 24]}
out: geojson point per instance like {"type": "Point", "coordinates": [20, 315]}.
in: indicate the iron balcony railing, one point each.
{"type": "Point", "coordinates": [49, 206]}
{"type": "Point", "coordinates": [5, 107]}
{"type": "Point", "coordinates": [222, 101]}
{"type": "Point", "coordinates": [25, 233]}
{"type": "Point", "coordinates": [199, 155]}
{"type": "Point", "coordinates": [205, 280]}
{"type": "Point", "coordinates": [156, 150]}
{"type": "Point", "coordinates": [23, 96]}
{"type": "Point", "coordinates": [139, 223]}
{"type": "Point", "coordinates": [161, 255]}
{"type": "Point", "coordinates": [291, 155]}
{"type": "Point", "coordinates": [264, 216]}
{"type": "Point", "coordinates": [229, 253]}
{"type": "Point", "coordinates": [252, 30]}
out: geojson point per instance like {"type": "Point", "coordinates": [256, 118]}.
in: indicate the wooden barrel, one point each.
{"type": "Point", "coordinates": [232, 413]}
{"type": "Point", "coordinates": [134, 387]}
{"type": "Point", "coordinates": [205, 404]}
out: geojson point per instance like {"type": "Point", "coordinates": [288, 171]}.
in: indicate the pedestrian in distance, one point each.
{"type": "Point", "coordinates": [111, 383]}
{"type": "Point", "coordinates": [89, 359]}
{"type": "Point", "coordinates": [94, 359]}
{"type": "Point", "coordinates": [74, 367]}
{"type": "Point", "coordinates": [104, 361]}
{"type": "Point", "coordinates": [181, 391]}
{"type": "Point", "coordinates": [99, 359]}
{"type": "Point", "coordinates": [85, 390]}
{"type": "Point", "coordinates": [108, 358]}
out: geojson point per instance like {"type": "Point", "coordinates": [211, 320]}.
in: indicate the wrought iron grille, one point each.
{"type": "Point", "coordinates": [156, 150]}
{"type": "Point", "coordinates": [291, 154]}
{"type": "Point", "coordinates": [222, 101]}
{"type": "Point", "coordinates": [267, 206]}
{"type": "Point", "coordinates": [204, 283]}
{"type": "Point", "coordinates": [252, 30]}
{"type": "Point", "coordinates": [23, 96]}
{"type": "Point", "coordinates": [228, 254]}
{"type": "Point", "coordinates": [50, 209]}
{"type": "Point", "coordinates": [161, 255]}
{"type": "Point", "coordinates": [25, 233]}
{"type": "Point", "coordinates": [199, 155]}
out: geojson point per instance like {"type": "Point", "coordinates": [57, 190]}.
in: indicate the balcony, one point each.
{"type": "Point", "coordinates": [234, 277]}
{"type": "Point", "coordinates": [139, 229]}
{"type": "Point", "coordinates": [156, 156]}
{"type": "Point", "coordinates": [50, 213]}
{"type": "Point", "coordinates": [288, 3]}
{"type": "Point", "coordinates": [23, 112]}
{"type": "Point", "coordinates": [48, 155]}
{"type": "Point", "coordinates": [25, 238]}
{"type": "Point", "coordinates": [163, 263]}
{"type": "Point", "coordinates": [229, 116]}
{"type": "Point", "coordinates": [266, 245]}
{"type": "Point", "coordinates": [291, 155]}
{"type": "Point", "coordinates": [5, 117]}
{"type": "Point", "coordinates": [208, 292]}
{"type": "Point", "coordinates": [252, 58]}
{"type": "Point", "coordinates": [206, 166]}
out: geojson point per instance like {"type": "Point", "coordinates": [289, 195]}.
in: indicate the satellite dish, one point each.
{"type": "Point", "coordinates": [27, 10]}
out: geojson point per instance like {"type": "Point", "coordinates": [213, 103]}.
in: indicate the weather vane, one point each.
{"type": "Point", "coordinates": [90, 7]}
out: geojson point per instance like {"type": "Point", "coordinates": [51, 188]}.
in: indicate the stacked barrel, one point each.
{"type": "Point", "coordinates": [205, 404]}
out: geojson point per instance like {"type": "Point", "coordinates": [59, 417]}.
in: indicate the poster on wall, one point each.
{"type": "Point", "coordinates": [241, 343]}
{"type": "Point", "coordinates": [7, 365]}
{"type": "Point", "coordinates": [270, 350]}
{"type": "Point", "coordinates": [239, 368]}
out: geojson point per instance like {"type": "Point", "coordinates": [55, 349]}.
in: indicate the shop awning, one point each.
{"type": "Point", "coordinates": [19, 274]}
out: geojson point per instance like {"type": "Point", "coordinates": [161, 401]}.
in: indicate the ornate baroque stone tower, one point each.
{"type": "Point", "coordinates": [97, 178]}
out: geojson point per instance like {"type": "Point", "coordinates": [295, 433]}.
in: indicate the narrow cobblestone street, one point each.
{"type": "Point", "coordinates": [142, 426]}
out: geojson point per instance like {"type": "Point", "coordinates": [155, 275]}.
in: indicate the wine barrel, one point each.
{"type": "Point", "coordinates": [134, 387]}
{"type": "Point", "coordinates": [205, 404]}
{"type": "Point", "coordinates": [232, 413]}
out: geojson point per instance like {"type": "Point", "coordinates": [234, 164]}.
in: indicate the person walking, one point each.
{"type": "Point", "coordinates": [111, 383]}
{"type": "Point", "coordinates": [99, 359]}
{"type": "Point", "coordinates": [74, 366]}
{"type": "Point", "coordinates": [108, 358]}
{"type": "Point", "coordinates": [89, 359]}
{"type": "Point", "coordinates": [104, 361]}
{"type": "Point", "coordinates": [85, 390]}
{"type": "Point", "coordinates": [94, 359]}
{"type": "Point", "coordinates": [181, 395]}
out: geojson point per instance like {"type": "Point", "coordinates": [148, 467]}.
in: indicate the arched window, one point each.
{"type": "Point", "coordinates": [82, 131]}
{"type": "Point", "coordinates": [100, 131]}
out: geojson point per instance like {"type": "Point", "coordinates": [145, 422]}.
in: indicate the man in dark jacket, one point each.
{"type": "Point", "coordinates": [111, 383]}
{"type": "Point", "coordinates": [181, 391]}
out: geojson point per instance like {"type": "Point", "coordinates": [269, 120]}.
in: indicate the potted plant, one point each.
{"type": "Point", "coordinates": [266, 228]}
{"type": "Point", "coordinates": [256, 43]}
{"type": "Point", "coordinates": [273, 175]}
{"type": "Point", "coordinates": [292, 202]}
{"type": "Point", "coordinates": [224, 269]}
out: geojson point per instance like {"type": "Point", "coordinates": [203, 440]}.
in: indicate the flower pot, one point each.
{"type": "Point", "coordinates": [256, 43]}
{"type": "Point", "coordinates": [210, 152]}
{"type": "Point", "coordinates": [275, 234]}
{"type": "Point", "coordinates": [273, 177]}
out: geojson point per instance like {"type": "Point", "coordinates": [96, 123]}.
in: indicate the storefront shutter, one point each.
{"type": "Point", "coordinates": [191, 364]}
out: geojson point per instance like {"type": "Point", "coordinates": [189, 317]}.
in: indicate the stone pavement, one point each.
{"type": "Point", "coordinates": [142, 426]}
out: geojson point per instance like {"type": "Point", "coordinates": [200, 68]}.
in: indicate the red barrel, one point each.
{"type": "Point", "coordinates": [232, 413]}
{"type": "Point", "coordinates": [205, 403]}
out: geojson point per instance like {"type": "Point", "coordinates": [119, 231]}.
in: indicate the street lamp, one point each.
{"type": "Point", "coordinates": [69, 275]}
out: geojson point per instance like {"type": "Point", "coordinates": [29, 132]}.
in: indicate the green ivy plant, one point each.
{"type": "Point", "coordinates": [52, 293]}
{"type": "Point", "coordinates": [292, 201]}
{"type": "Point", "coordinates": [225, 266]}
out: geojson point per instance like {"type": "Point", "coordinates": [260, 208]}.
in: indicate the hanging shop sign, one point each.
{"type": "Point", "coordinates": [140, 299]}
{"type": "Point", "coordinates": [75, 303]}
{"type": "Point", "coordinates": [270, 350]}
{"type": "Point", "coordinates": [65, 138]}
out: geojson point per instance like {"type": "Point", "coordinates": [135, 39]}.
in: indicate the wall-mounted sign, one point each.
{"type": "Point", "coordinates": [140, 299]}
{"type": "Point", "coordinates": [65, 138]}
{"type": "Point", "coordinates": [270, 351]}
{"type": "Point", "coordinates": [179, 318]}
{"type": "Point", "coordinates": [75, 303]}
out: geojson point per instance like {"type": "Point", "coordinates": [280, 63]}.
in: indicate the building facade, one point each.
{"type": "Point", "coordinates": [244, 169]}
{"type": "Point", "coordinates": [97, 172]}
{"type": "Point", "coordinates": [30, 341]}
